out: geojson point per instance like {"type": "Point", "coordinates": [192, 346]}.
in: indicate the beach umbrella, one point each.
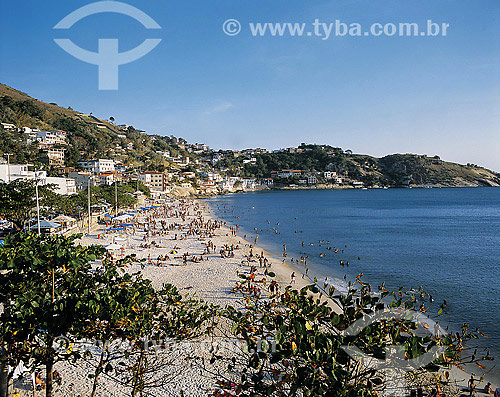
{"type": "Point", "coordinates": [113, 247]}
{"type": "Point", "coordinates": [63, 219]}
{"type": "Point", "coordinates": [173, 252]}
{"type": "Point", "coordinates": [44, 224]}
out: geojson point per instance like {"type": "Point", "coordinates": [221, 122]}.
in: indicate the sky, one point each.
{"type": "Point", "coordinates": [373, 95]}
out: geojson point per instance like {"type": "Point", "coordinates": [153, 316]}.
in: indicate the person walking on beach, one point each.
{"type": "Point", "coordinates": [292, 278]}
{"type": "Point", "coordinates": [472, 386]}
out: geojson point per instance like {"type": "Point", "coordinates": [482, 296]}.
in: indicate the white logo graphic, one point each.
{"type": "Point", "coordinates": [107, 58]}
{"type": "Point", "coordinates": [231, 27]}
{"type": "Point", "coordinates": [395, 355]}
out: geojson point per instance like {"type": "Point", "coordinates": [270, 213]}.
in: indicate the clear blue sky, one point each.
{"type": "Point", "coordinates": [372, 95]}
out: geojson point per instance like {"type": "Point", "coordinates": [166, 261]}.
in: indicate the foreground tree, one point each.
{"type": "Point", "coordinates": [17, 200]}
{"type": "Point", "coordinates": [313, 342]}
{"type": "Point", "coordinates": [56, 294]}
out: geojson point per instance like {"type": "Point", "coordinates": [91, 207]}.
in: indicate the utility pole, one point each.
{"type": "Point", "coordinates": [8, 166]}
{"type": "Point", "coordinates": [116, 197]}
{"type": "Point", "coordinates": [37, 174]}
{"type": "Point", "coordinates": [90, 214]}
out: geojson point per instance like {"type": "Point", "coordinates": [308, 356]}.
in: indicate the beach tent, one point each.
{"type": "Point", "coordinates": [123, 217]}
{"type": "Point", "coordinates": [114, 247]}
{"type": "Point", "coordinates": [46, 226]}
{"type": "Point", "coordinates": [64, 220]}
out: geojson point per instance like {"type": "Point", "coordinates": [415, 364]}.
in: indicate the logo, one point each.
{"type": "Point", "coordinates": [395, 355]}
{"type": "Point", "coordinates": [108, 58]}
{"type": "Point", "coordinates": [231, 27]}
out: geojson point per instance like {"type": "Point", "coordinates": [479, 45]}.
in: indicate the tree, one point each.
{"type": "Point", "coordinates": [46, 286]}
{"type": "Point", "coordinates": [17, 200]}
{"type": "Point", "coordinates": [53, 299]}
{"type": "Point", "coordinates": [294, 341]}
{"type": "Point", "coordinates": [112, 119]}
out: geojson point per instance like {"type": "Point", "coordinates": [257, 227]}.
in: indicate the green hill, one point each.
{"type": "Point", "coordinates": [90, 137]}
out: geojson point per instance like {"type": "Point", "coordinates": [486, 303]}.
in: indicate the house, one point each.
{"type": "Point", "coordinates": [329, 175]}
{"type": "Point", "coordinates": [155, 180]}
{"type": "Point", "coordinates": [82, 179]}
{"type": "Point", "coordinates": [96, 166]}
{"type": "Point", "coordinates": [8, 127]}
{"type": "Point", "coordinates": [12, 172]}
{"type": "Point", "coordinates": [64, 186]}
{"type": "Point", "coordinates": [311, 180]}
{"type": "Point", "coordinates": [107, 178]}
{"type": "Point", "coordinates": [286, 173]}
{"type": "Point", "coordinates": [52, 156]}
{"type": "Point", "coordinates": [49, 138]}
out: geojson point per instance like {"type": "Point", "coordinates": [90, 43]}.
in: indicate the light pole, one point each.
{"type": "Point", "coordinates": [116, 197]}
{"type": "Point", "coordinates": [8, 166]}
{"type": "Point", "coordinates": [37, 174]}
{"type": "Point", "coordinates": [90, 214]}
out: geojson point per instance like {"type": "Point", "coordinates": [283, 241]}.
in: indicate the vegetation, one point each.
{"type": "Point", "coordinates": [53, 298]}
{"type": "Point", "coordinates": [295, 343]}
{"type": "Point", "coordinates": [18, 200]}
{"type": "Point", "coordinates": [90, 137]}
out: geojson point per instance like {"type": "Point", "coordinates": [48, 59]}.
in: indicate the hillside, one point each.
{"type": "Point", "coordinates": [394, 170]}
{"type": "Point", "coordinates": [90, 137]}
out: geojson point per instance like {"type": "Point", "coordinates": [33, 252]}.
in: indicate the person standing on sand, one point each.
{"type": "Point", "coordinates": [472, 385]}
{"type": "Point", "coordinates": [292, 278]}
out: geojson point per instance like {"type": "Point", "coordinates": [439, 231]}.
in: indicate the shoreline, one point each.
{"type": "Point", "coordinates": [211, 280]}
{"type": "Point", "coordinates": [459, 376]}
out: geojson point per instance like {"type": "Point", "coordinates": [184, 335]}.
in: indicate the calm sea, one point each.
{"type": "Point", "coordinates": [447, 240]}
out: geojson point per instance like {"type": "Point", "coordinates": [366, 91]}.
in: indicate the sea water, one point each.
{"type": "Point", "coordinates": [446, 240]}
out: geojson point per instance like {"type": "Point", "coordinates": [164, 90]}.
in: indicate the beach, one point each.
{"type": "Point", "coordinates": [185, 244]}
{"type": "Point", "coordinates": [210, 279]}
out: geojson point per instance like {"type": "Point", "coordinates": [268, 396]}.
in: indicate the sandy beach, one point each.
{"type": "Point", "coordinates": [173, 256]}
{"type": "Point", "coordinates": [184, 244]}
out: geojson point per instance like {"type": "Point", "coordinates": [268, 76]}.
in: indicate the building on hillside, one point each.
{"type": "Point", "coordinates": [64, 186]}
{"type": "Point", "coordinates": [97, 166]}
{"type": "Point", "coordinates": [52, 156]}
{"type": "Point", "coordinates": [155, 180]}
{"type": "Point", "coordinates": [13, 172]}
{"type": "Point", "coordinates": [285, 173]}
{"type": "Point", "coordinates": [330, 175]}
{"type": "Point", "coordinates": [8, 127]}
{"type": "Point", "coordinates": [49, 138]}
{"type": "Point", "coordinates": [106, 178]}
{"type": "Point", "coordinates": [82, 179]}
{"type": "Point", "coordinates": [311, 180]}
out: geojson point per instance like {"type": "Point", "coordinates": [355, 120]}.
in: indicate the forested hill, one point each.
{"type": "Point", "coordinates": [392, 170]}
{"type": "Point", "coordinates": [90, 137]}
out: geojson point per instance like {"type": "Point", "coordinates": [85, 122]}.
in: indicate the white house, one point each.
{"type": "Point", "coordinates": [97, 166]}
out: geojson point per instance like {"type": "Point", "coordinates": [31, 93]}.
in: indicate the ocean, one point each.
{"type": "Point", "coordinates": [446, 240]}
